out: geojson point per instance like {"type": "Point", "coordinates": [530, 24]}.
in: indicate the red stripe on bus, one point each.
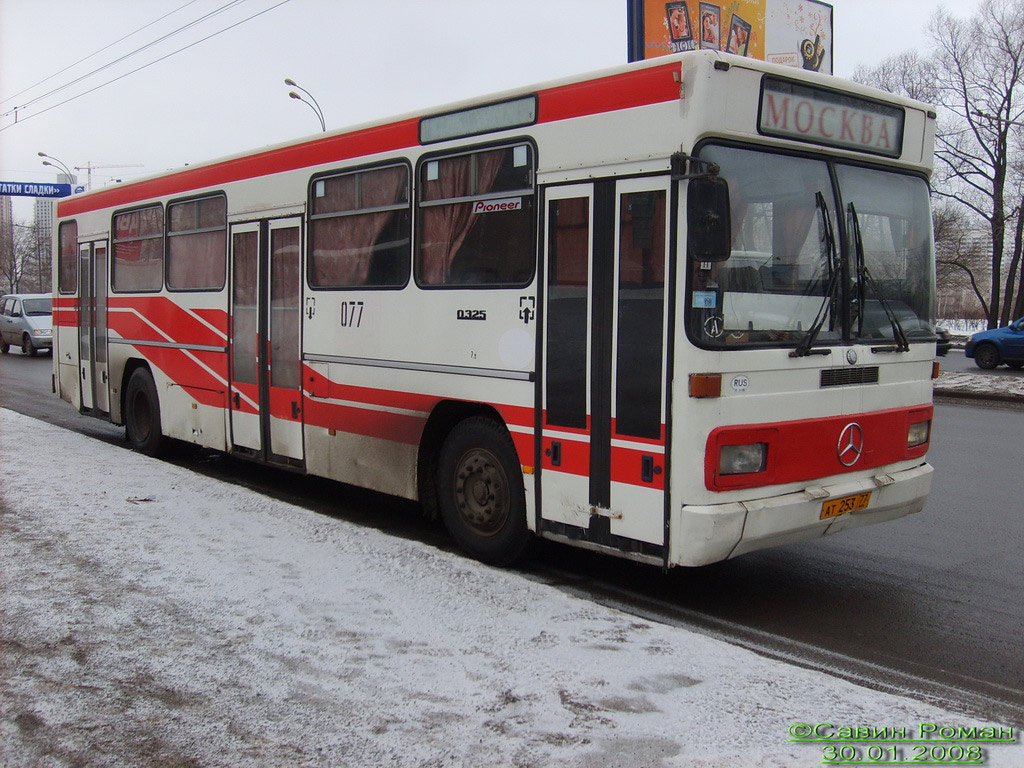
{"type": "Point", "coordinates": [319, 385]}
{"type": "Point", "coordinates": [627, 467]}
{"type": "Point", "coordinates": [286, 404]}
{"type": "Point", "coordinates": [607, 94]}
{"type": "Point", "coordinates": [369, 141]}
{"type": "Point", "coordinates": [397, 427]}
{"type": "Point", "coordinates": [202, 385]}
{"type": "Point", "coordinates": [248, 394]}
{"type": "Point", "coordinates": [806, 449]}
{"type": "Point", "coordinates": [65, 311]}
{"type": "Point", "coordinates": [138, 315]}
{"type": "Point", "coordinates": [650, 85]}
{"type": "Point", "coordinates": [626, 463]}
{"type": "Point", "coordinates": [574, 459]}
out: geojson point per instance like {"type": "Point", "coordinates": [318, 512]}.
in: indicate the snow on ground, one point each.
{"type": "Point", "coordinates": [1009, 385]}
{"type": "Point", "coordinates": [152, 616]}
{"type": "Point", "coordinates": [957, 382]}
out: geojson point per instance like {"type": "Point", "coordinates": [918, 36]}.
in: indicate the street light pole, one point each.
{"type": "Point", "coordinates": [995, 118]}
{"type": "Point", "coordinates": [58, 165]}
{"type": "Point", "coordinates": [312, 103]}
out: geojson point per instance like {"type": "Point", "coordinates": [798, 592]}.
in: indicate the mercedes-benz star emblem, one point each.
{"type": "Point", "coordinates": [851, 444]}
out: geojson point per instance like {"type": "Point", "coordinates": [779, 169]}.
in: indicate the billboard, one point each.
{"type": "Point", "coordinates": [795, 33]}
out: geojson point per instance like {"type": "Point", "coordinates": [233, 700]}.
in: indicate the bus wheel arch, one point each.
{"type": "Point", "coordinates": [442, 420]}
{"type": "Point", "coordinates": [141, 410]}
{"type": "Point", "coordinates": [479, 488]}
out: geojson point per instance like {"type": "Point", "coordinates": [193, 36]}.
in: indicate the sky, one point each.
{"type": "Point", "coordinates": [362, 61]}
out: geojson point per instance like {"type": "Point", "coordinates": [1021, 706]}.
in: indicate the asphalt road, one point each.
{"type": "Point", "coordinates": [955, 362]}
{"type": "Point", "coordinates": [929, 605]}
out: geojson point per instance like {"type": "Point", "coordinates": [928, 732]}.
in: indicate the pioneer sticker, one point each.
{"type": "Point", "coordinates": [493, 206]}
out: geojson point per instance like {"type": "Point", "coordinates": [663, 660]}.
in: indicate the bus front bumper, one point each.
{"type": "Point", "coordinates": [707, 534]}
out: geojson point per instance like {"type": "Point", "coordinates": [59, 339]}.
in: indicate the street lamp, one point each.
{"type": "Point", "coordinates": [312, 103]}
{"type": "Point", "coordinates": [58, 165]}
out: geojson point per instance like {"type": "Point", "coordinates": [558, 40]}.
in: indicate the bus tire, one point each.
{"type": "Point", "coordinates": [480, 491]}
{"type": "Point", "coordinates": [142, 414]}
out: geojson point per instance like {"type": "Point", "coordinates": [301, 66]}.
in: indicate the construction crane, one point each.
{"type": "Point", "coordinates": [89, 168]}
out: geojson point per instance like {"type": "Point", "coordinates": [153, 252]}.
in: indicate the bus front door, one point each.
{"type": "Point", "coordinates": [603, 442]}
{"type": "Point", "coordinates": [266, 322]}
{"type": "Point", "coordinates": [92, 327]}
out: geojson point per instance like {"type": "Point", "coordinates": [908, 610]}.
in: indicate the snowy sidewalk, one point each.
{"type": "Point", "coordinates": [1008, 387]}
{"type": "Point", "coordinates": [152, 616]}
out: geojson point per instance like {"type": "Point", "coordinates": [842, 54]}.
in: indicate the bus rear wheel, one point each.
{"type": "Point", "coordinates": [142, 414]}
{"type": "Point", "coordinates": [480, 491]}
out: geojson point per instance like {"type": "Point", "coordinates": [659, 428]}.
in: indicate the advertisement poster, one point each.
{"type": "Point", "coordinates": [736, 26]}
{"type": "Point", "coordinates": [799, 34]}
{"type": "Point", "coordinates": [795, 33]}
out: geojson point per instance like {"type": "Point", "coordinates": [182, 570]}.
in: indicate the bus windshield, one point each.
{"type": "Point", "coordinates": [802, 257]}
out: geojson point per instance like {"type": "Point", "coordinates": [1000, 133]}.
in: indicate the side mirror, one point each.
{"type": "Point", "coordinates": [709, 224]}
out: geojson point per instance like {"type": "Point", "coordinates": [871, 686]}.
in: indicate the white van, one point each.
{"type": "Point", "coordinates": [26, 321]}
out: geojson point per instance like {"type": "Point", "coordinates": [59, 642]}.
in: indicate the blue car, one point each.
{"type": "Point", "coordinates": [999, 345]}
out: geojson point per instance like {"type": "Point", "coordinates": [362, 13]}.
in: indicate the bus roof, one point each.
{"type": "Point", "coordinates": [622, 87]}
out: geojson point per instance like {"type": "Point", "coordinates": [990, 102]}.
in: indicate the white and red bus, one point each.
{"type": "Point", "coordinates": [674, 311]}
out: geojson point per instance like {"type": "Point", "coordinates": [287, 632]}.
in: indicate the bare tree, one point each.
{"type": "Point", "coordinates": [975, 75]}
{"type": "Point", "coordinates": [979, 80]}
{"type": "Point", "coordinates": [10, 263]}
{"type": "Point", "coordinates": [961, 261]}
{"type": "Point", "coordinates": [25, 261]}
{"type": "Point", "coordinates": [907, 73]}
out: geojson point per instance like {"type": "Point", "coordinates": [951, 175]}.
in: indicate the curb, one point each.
{"type": "Point", "coordinates": [991, 397]}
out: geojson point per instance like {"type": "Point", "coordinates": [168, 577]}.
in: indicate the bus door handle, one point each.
{"type": "Point", "coordinates": [238, 402]}
{"type": "Point", "coordinates": [295, 409]}
{"type": "Point", "coordinates": [555, 452]}
{"type": "Point", "coordinates": [647, 469]}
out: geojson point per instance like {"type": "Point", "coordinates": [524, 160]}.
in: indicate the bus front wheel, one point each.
{"type": "Point", "coordinates": [142, 414]}
{"type": "Point", "coordinates": [480, 491]}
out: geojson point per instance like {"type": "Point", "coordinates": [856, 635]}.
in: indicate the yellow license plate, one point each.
{"type": "Point", "coordinates": [837, 507]}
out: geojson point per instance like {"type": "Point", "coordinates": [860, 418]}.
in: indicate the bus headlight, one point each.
{"type": "Point", "coordinates": [742, 459]}
{"type": "Point", "coordinates": [918, 433]}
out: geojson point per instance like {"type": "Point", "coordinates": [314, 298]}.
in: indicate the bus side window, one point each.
{"type": "Point", "coordinates": [477, 219]}
{"type": "Point", "coordinates": [359, 229]}
{"type": "Point", "coordinates": [197, 255]}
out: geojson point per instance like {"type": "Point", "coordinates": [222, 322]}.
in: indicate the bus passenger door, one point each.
{"type": "Point", "coordinates": [604, 436]}
{"type": "Point", "coordinates": [92, 327]}
{"type": "Point", "coordinates": [266, 322]}
{"type": "Point", "coordinates": [244, 330]}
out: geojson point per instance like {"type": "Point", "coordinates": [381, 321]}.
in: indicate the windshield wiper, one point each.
{"type": "Point", "coordinates": [864, 279]}
{"type": "Point", "coordinates": [803, 348]}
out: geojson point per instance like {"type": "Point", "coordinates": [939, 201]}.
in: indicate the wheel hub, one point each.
{"type": "Point", "coordinates": [481, 494]}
